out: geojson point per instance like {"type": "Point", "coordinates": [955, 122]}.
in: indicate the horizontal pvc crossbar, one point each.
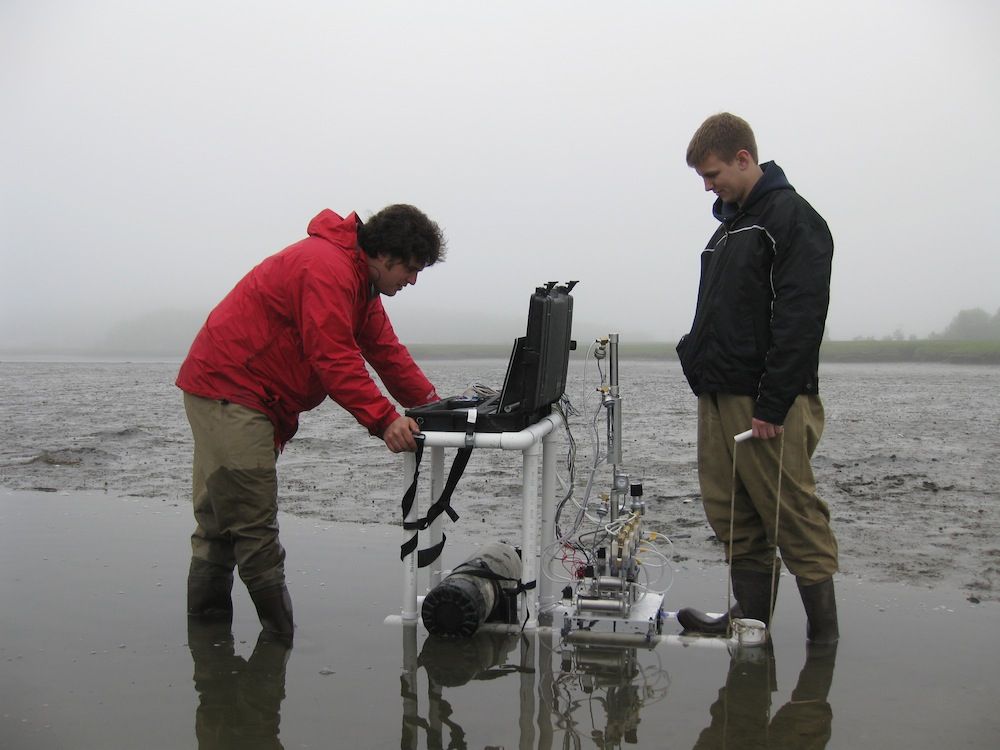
{"type": "Point", "coordinates": [508, 441]}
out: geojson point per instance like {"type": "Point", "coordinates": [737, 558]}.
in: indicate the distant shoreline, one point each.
{"type": "Point", "coordinates": [931, 350]}
{"type": "Point", "coordinates": [950, 352]}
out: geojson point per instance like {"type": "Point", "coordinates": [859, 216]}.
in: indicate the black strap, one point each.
{"type": "Point", "coordinates": [411, 492]}
{"type": "Point", "coordinates": [477, 571]}
{"type": "Point", "coordinates": [442, 505]}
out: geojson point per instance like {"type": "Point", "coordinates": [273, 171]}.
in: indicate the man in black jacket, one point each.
{"type": "Point", "coordinates": [752, 357]}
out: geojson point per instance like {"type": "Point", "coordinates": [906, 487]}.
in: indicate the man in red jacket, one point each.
{"type": "Point", "coordinates": [298, 328]}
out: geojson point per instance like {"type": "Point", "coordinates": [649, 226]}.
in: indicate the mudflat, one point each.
{"type": "Point", "coordinates": [909, 462]}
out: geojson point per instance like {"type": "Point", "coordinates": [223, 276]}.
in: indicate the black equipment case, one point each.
{"type": "Point", "coordinates": [536, 374]}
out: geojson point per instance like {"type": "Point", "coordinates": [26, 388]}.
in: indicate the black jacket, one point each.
{"type": "Point", "coordinates": [762, 301]}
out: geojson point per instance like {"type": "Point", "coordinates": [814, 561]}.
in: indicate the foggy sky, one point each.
{"type": "Point", "coordinates": [153, 152]}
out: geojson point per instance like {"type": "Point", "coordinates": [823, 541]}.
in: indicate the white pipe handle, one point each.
{"type": "Point", "coordinates": [743, 436]}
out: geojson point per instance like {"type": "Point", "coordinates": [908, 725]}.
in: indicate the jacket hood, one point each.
{"type": "Point", "coordinates": [343, 233]}
{"type": "Point", "coordinates": [330, 226]}
{"type": "Point", "coordinates": [772, 179]}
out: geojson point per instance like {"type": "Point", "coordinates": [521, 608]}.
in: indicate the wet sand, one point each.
{"type": "Point", "coordinates": [96, 653]}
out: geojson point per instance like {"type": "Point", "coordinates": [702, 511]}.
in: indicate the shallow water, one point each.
{"type": "Point", "coordinates": [96, 653]}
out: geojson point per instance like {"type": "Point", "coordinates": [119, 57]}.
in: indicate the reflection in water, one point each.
{"type": "Point", "coordinates": [239, 700]}
{"type": "Point", "coordinates": [449, 663]}
{"type": "Point", "coordinates": [608, 680]}
{"type": "Point", "coordinates": [586, 693]}
{"type": "Point", "coordinates": [591, 695]}
{"type": "Point", "coordinates": [452, 663]}
{"type": "Point", "coordinates": [741, 716]}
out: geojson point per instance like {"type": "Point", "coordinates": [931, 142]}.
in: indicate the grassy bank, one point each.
{"type": "Point", "coordinates": [936, 350]}
{"type": "Point", "coordinates": [956, 352]}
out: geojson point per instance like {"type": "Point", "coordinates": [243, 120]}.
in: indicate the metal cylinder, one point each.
{"type": "Point", "coordinates": [613, 361]}
{"type": "Point", "coordinates": [610, 606]}
{"type": "Point", "coordinates": [610, 583]}
{"type": "Point", "coordinates": [613, 661]}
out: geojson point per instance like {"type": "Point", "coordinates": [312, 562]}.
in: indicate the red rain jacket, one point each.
{"type": "Point", "coordinates": [298, 328]}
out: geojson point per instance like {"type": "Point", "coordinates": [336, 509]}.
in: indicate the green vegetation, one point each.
{"type": "Point", "coordinates": [972, 337]}
{"type": "Point", "coordinates": [972, 325]}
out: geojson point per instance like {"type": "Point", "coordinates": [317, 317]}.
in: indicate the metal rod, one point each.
{"type": "Point", "coordinates": [615, 439]}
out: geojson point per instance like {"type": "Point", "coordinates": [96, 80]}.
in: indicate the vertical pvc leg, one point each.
{"type": "Point", "coordinates": [410, 562]}
{"type": "Point", "coordinates": [546, 686]}
{"type": "Point", "coordinates": [527, 695]}
{"type": "Point", "coordinates": [529, 529]}
{"type": "Point", "coordinates": [546, 586]}
{"type": "Point", "coordinates": [411, 708]}
{"type": "Point", "coordinates": [434, 531]}
{"type": "Point", "coordinates": [436, 712]}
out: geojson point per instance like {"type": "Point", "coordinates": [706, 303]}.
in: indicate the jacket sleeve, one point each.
{"type": "Point", "coordinates": [800, 281]}
{"type": "Point", "coordinates": [330, 312]}
{"type": "Point", "coordinates": [392, 361]}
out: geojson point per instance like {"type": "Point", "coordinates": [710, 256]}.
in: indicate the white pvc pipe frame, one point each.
{"type": "Point", "coordinates": [536, 439]}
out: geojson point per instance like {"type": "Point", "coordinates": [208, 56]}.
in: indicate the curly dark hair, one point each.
{"type": "Point", "coordinates": [404, 233]}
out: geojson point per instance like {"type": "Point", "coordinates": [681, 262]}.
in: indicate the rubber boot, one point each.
{"type": "Point", "coordinates": [274, 608]}
{"type": "Point", "coordinates": [821, 611]}
{"type": "Point", "coordinates": [750, 589]}
{"type": "Point", "coordinates": [209, 592]}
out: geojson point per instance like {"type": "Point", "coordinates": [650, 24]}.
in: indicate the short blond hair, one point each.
{"type": "Point", "coordinates": [723, 135]}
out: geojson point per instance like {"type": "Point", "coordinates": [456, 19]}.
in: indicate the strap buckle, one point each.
{"type": "Point", "coordinates": [470, 427]}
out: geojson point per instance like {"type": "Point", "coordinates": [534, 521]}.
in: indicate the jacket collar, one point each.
{"type": "Point", "coordinates": [772, 179]}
